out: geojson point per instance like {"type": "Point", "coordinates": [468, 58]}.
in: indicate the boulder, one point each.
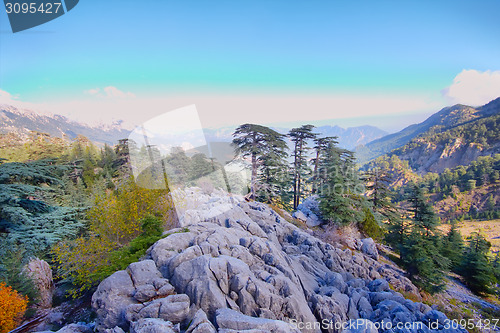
{"type": "Point", "coordinates": [152, 325]}
{"type": "Point", "coordinates": [41, 274]}
{"type": "Point", "coordinates": [112, 297]}
{"type": "Point", "coordinates": [369, 248]}
{"type": "Point", "coordinates": [76, 328]}
{"type": "Point", "coordinates": [200, 324]}
{"type": "Point", "coordinates": [116, 329]}
{"type": "Point", "coordinates": [232, 320]}
{"type": "Point", "coordinates": [299, 215]}
{"type": "Point", "coordinates": [378, 285]}
{"type": "Point", "coordinates": [143, 272]}
{"type": "Point", "coordinates": [308, 211]}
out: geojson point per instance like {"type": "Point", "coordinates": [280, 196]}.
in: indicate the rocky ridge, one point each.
{"type": "Point", "coordinates": [237, 266]}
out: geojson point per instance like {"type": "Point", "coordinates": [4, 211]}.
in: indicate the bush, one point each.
{"type": "Point", "coordinates": [116, 221]}
{"type": "Point", "coordinates": [12, 308]}
{"type": "Point", "coordinates": [370, 227]}
{"type": "Point", "coordinates": [14, 258]}
{"type": "Point", "coordinates": [120, 259]}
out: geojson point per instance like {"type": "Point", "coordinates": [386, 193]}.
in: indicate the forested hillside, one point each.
{"type": "Point", "coordinates": [445, 126]}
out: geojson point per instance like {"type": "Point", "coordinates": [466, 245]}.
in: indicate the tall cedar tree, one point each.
{"type": "Point", "coordinates": [453, 247]}
{"type": "Point", "coordinates": [377, 185]}
{"type": "Point", "coordinates": [273, 170]}
{"type": "Point", "coordinates": [300, 136]}
{"type": "Point", "coordinates": [420, 253]}
{"type": "Point", "coordinates": [340, 195]}
{"type": "Point", "coordinates": [257, 142]}
{"type": "Point", "coordinates": [320, 147]}
{"type": "Point", "coordinates": [25, 217]}
{"type": "Point", "coordinates": [377, 182]}
{"type": "Point", "coordinates": [476, 269]}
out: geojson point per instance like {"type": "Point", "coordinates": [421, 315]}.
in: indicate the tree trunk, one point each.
{"type": "Point", "coordinates": [254, 174]}
{"type": "Point", "coordinates": [295, 177]}
{"type": "Point", "coordinates": [315, 176]}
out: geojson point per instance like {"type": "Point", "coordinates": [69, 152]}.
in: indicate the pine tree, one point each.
{"type": "Point", "coordinates": [273, 171]}
{"type": "Point", "coordinates": [260, 143]}
{"type": "Point", "coordinates": [397, 232]}
{"type": "Point", "coordinates": [476, 269]}
{"type": "Point", "coordinates": [321, 145]}
{"type": "Point", "coordinates": [423, 215]}
{"type": "Point", "coordinates": [420, 253]}
{"type": "Point", "coordinates": [423, 262]}
{"type": "Point", "coordinates": [25, 216]}
{"type": "Point", "coordinates": [452, 246]}
{"type": "Point", "coordinates": [340, 196]}
{"type": "Point", "coordinates": [300, 136]}
{"type": "Point", "coordinates": [379, 194]}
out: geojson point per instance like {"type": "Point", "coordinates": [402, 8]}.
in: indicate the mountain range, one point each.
{"type": "Point", "coordinates": [22, 122]}
{"type": "Point", "coordinates": [444, 135]}
{"type": "Point", "coordinates": [348, 138]}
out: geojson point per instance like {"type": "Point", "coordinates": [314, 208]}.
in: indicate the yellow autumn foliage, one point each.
{"type": "Point", "coordinates": [114, 221]}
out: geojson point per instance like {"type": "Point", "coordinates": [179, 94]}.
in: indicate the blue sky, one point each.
{"type": "Point", "coordinates": [258, 50]}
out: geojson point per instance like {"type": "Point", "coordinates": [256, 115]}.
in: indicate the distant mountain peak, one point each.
{"type": "Point", "coordinates": [21, 121]}
{"type": "Point", "coordinates": [447, 117]}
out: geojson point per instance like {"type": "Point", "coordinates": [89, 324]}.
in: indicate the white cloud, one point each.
{"type": "Point", "coordinates": [115, 92]}
{"type": "Point", "coordinates": [92, 91]}
{"type": "Point", "coordinates": [109, 92]}
{"type": "Point", "coordinates": [5, 97]}
{"type": "Point", "coordinates": [473, 87]}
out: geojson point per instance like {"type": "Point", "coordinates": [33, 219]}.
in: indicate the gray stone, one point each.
{"type": "Point", "coordinates": [378, 285]}
{"type": "Point", "coordinates": [245, 268]}
{"type": "Point", "coordinates": [174, 308]}
{"type": "Point", "coordinates": [145, 292]}
{"type": "Point", "coordinates": [111, 299]}
{"type": "Point", "coordinates": [143, 272]}
{"type": "Point", "coordinates": [75, 328]}
{"type": "Point", "coordinates": [200, 324]}
{"type": "Point", "coordinates": [41, 274]}
{"type": "Point", "coordinates": [364, 307]}
{"type": "Point", "coordinates": [152, 325]}
{"type": "Point", "coordinates": [230, 319]}
{"type": "Point", "coordinates": [313, 221]}
{"type": "Point", "coordinates": [369, 248]}
{"type": "Point", "coordinates": [300, 216]}
{"type": "Point", "coordinates": [116, 329]}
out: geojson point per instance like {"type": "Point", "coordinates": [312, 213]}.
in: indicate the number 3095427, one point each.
{"type": "Point", "coordinates": [32, 8]}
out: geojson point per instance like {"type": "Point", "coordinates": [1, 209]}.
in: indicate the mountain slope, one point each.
{"type": "Point", "coordinates": [438, 149]}
{"type": "Point", "coordinates": [22, 121]}
{"type": "Point", "coordinates": [446, 118]}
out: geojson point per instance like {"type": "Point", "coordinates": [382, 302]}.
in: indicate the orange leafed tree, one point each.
{"type": "Point", "coordinates": [12, 308]}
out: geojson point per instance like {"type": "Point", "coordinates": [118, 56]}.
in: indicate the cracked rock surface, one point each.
{"type": "Point", "coordinates": [241, 267]}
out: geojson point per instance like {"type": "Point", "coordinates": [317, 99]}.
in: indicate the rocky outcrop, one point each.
{"type": "Point", "coordinates": [240, 267]}
{"type": "Point", "coordinates": [308, 212]}
{"type": "Point", "coordinates": [41, 274]}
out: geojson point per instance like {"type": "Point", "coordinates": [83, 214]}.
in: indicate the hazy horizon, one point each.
{"type": "Point", "coordinates": [385, 64]}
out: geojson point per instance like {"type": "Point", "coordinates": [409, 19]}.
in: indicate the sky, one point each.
{"type": "Point", "coordinates": [382, 63]}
